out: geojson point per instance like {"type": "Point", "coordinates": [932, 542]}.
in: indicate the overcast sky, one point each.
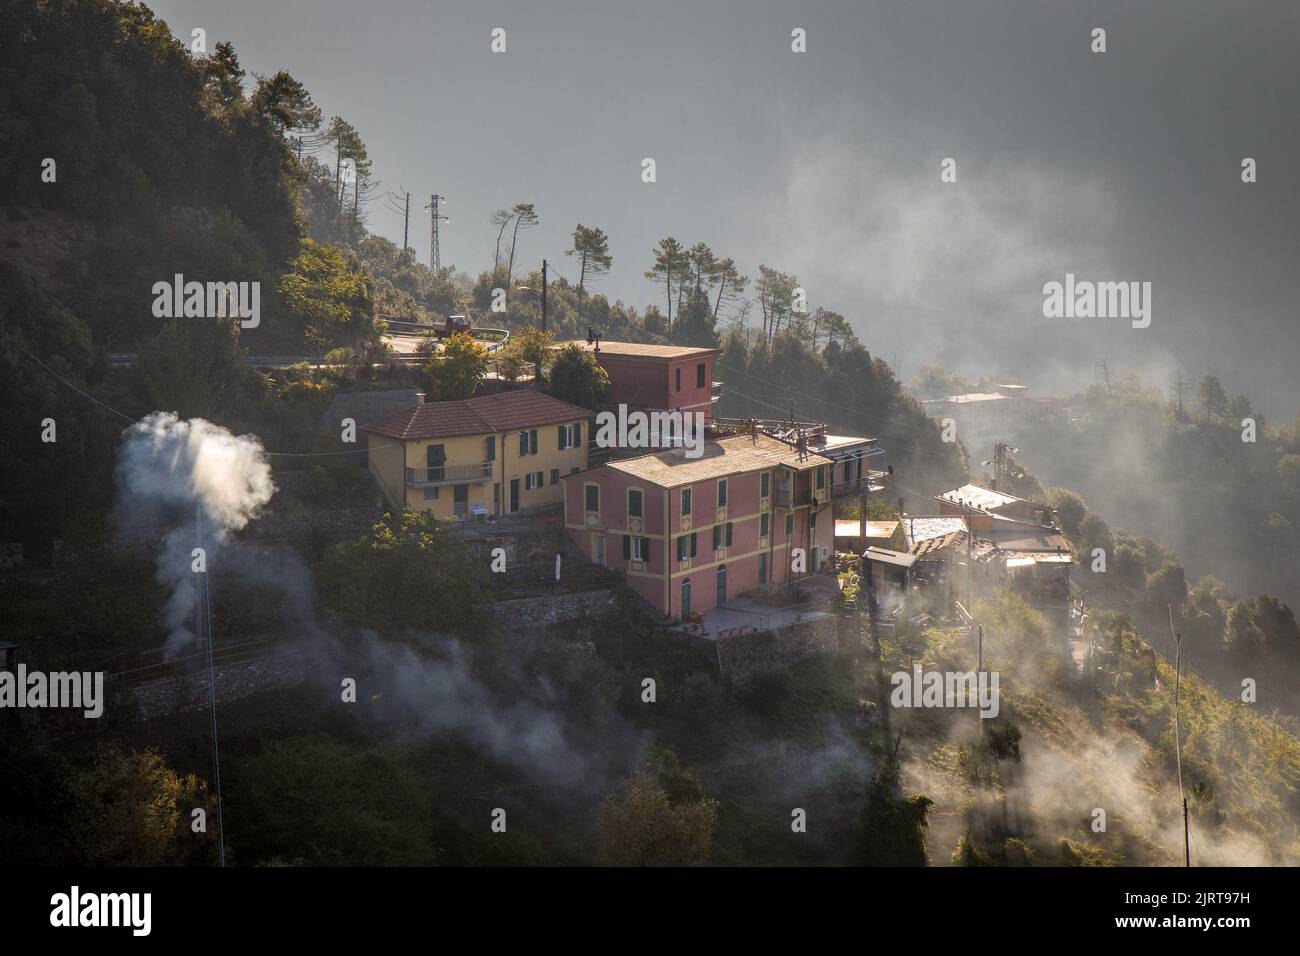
{"type": "Point", "coordinates": [1116, 166]}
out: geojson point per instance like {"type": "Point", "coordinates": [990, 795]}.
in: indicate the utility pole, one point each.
{"type": "Point", "coordinates": [435, 256]}
{"type": "Point", "coordinates": [1178, 747]}
{"type": "Point", "coordinates": [544, 284]}
{"type": "Point", "coordinates": [1180, 386]}
{"type": "Point", "coordinates": [406, 223]}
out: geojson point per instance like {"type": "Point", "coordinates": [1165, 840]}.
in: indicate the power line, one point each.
{"type": "Point", "coordinates": [131, 421]}
{"type": "Point", "coordinates": [854, 411]}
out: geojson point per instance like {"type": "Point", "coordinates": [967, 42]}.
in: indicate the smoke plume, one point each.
{"type": "Point", "coordinates": [197, 473]}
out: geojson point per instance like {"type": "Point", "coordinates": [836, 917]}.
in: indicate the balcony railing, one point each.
{"type": "Point", "coordinates": [449, 475]}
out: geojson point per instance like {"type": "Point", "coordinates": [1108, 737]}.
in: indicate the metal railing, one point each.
{"type": "Point", "coordinates": [449, 474]}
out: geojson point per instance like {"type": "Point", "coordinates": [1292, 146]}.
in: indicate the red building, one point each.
{"type": "Point", "coordinates": [692, 532]}
{"type": "Point", "coordinates": [659, 377]}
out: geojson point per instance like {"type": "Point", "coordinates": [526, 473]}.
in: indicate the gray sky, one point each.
{"type": "Point", "coordinates": [1115, 166]}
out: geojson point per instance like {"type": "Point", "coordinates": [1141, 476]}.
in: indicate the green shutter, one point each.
{"type": "Point", "coordinates": [627, 547]}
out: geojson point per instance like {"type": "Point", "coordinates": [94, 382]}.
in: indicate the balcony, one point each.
{"type": "Point", "coordinates": [449, 475]}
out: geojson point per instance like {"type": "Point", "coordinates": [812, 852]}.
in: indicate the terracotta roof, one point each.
{"type": "Point", "coordinates": [641, 350]}
{"type": "Point", "coordinates": [735, 455]}
{"type": "Point", "coordinates": [484, 415]}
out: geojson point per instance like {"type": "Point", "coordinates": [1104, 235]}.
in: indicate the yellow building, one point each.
{"type": "Point", "coordinates": [479, 458]}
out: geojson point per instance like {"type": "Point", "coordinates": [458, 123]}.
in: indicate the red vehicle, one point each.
{"type": "Point", "coordinates": [457, 323]}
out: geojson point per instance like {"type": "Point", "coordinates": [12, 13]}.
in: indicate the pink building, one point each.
{"type": "Point", "coordinates": [690, 533]}
{"type": "Point", "coordinates": [659, 377]}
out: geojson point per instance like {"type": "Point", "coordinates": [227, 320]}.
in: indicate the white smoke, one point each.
{"type": "Point", "coordinates": [216, 479]}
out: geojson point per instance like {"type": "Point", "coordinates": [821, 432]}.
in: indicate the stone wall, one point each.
{"type": "Point", "coordinates": [234, 682]}
{"type": "Point", "coordinates": [554, 609]}
{"type": "Point", "coordinates": [737, 656]}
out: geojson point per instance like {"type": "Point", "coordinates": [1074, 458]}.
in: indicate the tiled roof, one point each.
{"type": "Point", "coordinates": [641, 350]}
{"type": "Point", "coordinates": [484, 415]}
{"type": "Point", "coordinates": [735, 455]}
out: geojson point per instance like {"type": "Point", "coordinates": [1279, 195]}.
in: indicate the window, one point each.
{"type": "Point", "coordinates": [721, 536]}
{"type": "Point", "coordinates": [570, 436]}
{"type": "Point", "coordinates": [789, 524]}
{"type": "Point", "coordinates": [699, 376]}
{"type": "Point", "coordinates": [593, 497]}
{"type": "Point", "coordinates": [528, 442]}
{"type": "Point", "coordinates": [636, 548]}
{"type": "Point", "coordinates": [435, 457]}
{"type": "Point", "coordinates": [574, 470]}
{"type": "Point", "coordinates": [764, 484]}
{"type": "Point", "coordinates": [686, 502]}
{"type": "Point", "coordinates": [763, 524]}
{"type": "Point", "coordinates": [430, 492]}
{"type": "Point", "coordinates": [490, 448]}
{"type": "Point", "coordinates": [634, 503]}
{"type": "Point", "coordinates": [812, 520]}
{"type": "Point", "coordinates": [848, 469]}
{"type": "Point", "coordinates": [717, 537]}
{"type": "Point", "coordinates": [762, 567]}
{"type": "Point", "coordinates": [679, 380]}
{"type": "Point", "coordinates": [533, 481]}
{"type": "Point", "coordinates": [722, 493]}
{"type": "Point", "coordinates": [821, 477]}
{"type": "Point", "coordinates": [555, 476]}
{"type": "Point", "coordinates": [686, 546]}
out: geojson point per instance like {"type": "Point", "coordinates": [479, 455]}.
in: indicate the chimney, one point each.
{"type": "Point", "coordinates": [419, 398]}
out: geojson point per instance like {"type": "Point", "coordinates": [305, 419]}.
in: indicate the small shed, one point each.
{"type": "Point", "coordinates": [888, 572]}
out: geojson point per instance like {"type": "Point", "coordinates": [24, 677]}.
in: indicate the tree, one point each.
{"type": "Point", "coordinates": [671, 261]}
{"type": "Point", "coordinates": [525, 218]}
{"type": "Point", "coordinates": [1288, 471]}
{"type": "Point", "coordinates": [591, 246]}
{"type": "Point", "coordinates": [1240, 634]}
{"type": "Point", "coordinates": [1070, 509]}
{"type": "Point", "coordinates": [1239, 408]}
{"type": "Point", "coordinates": [331, 295]}
{"type": "Point", "coordinates": [892, 829]}
{"type": "Point", "coordinates": [576, 378]}
{"type": "Point", "coordinates": [131, 809]}
{"type": "Point", "coordinates": [193, 367]}
{"type": "Point", "coordinates": [730, 284]}
{"type": "Point", "coordinates": [527, 346]}
{"type": "Point", "coordinates": [695, 324]}
{"type": "Point", "coordinates": [223, 77]}
{"type": "Point", "coordinates": [1168, 584]}
{"type": "Point", "coordinates": [775, 300]}
{"type": "Point", "coordinates": [1210, 393]}
{"type": "Point", "coordinates": [285, 102]}
{"type": "Point", "coordinates": [658, 817]}
{"type": "Point", "coordinates": [453, 373]}
{"type": "Point", "coordinates": [410, 571]}
{"type": "Point", "coordinates": [501, 219]}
